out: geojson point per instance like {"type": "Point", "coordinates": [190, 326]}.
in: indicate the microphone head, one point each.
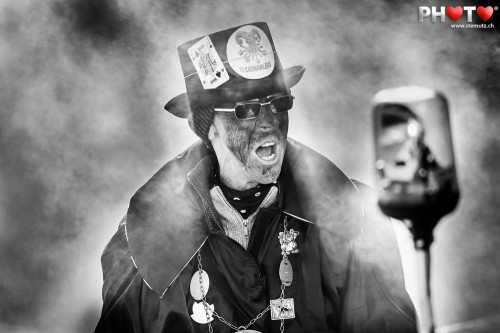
{"type": "Point", "coordinates": [414, 161]}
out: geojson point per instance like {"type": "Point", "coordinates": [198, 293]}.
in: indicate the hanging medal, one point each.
{"type": "Point", "coordinates": [202, 314]}
{"type": "Point", "coordinates": [200, 283]}
{"type": "Point", "coordinates": [288, 244]}
{"type": "Point", "coordinates": [199, 280]}
{"type": "Point", "coordinates": [283, 308]}
{"type": "Point", "coordinates": [286, 272]}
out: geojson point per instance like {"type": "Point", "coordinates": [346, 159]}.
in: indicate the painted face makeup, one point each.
{"type": "Point", "coordinates": [255, 145]}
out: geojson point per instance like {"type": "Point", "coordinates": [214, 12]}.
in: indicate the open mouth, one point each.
{"type": "Point", "coordinates": [267, 151]}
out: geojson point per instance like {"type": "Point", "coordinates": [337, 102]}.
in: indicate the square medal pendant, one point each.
{"type": "Point", "coordinates": [282, 309]}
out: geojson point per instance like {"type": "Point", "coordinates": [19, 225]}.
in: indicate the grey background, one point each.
{"type": "Point", "coordinates": [82, 126]}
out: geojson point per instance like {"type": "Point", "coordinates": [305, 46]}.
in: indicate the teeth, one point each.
{"type": "Point", "coordinates": [267, 144]}
{"type": "Point", "coordinates": [268, 158]}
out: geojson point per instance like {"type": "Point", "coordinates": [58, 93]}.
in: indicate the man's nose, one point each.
{"type": "Point", "coordinates": [267, 118]}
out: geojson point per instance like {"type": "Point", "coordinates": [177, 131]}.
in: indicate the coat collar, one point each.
{"type": "Point", "coordinates": [171, 216]}
{"type": "Point", "coordinates": [317, 191]}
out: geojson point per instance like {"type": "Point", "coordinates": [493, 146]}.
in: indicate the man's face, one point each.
{"type": "Point", "coordinates": [254, 147]}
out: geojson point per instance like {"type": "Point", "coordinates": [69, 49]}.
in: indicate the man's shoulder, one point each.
{"type": "Point", "coordinates": [307, 162]}
{"type": "Point", "coordinates": [172, 176]}
{"type": "Point", "coordinates": [192, 154]}
{"type": "Point", "coordinates": [295, 147]}
{"type": "Point", "coordinates": [185, 161]}
{"type": "Point", "coordinates": [317, 190]}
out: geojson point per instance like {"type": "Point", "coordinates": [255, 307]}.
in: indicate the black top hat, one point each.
{"type": "Point", "coordinates": [232, 65]}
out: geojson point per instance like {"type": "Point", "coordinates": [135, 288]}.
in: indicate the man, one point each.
{"type": "Point", "coordinates": [248, 230]}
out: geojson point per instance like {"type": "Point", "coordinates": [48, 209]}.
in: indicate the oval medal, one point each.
{"type": "Point", "coordinates": [195, 286]}
{"type": "Point", "coordinates": [286, 272]}
{"type": "Point", "coordinates": [248, 331]}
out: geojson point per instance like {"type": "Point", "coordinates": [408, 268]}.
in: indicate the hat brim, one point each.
{"type": "Point", "coordinates": [180, 105]}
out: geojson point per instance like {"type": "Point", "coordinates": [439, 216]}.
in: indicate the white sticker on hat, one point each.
{"type": "Point", "coordinates": [250, 53]}
{"type": "Point", "coordinates": [209, 67]}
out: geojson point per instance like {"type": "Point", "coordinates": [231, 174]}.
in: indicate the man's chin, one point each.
{"type": "Point", "coordinates": [265, 174]}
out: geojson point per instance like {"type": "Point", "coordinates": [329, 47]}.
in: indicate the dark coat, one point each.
{"type": "Point", "coordinates": [347, 275]}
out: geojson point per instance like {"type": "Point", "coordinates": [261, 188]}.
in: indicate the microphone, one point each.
{"type": "Point", "coordinates": [415, 165]}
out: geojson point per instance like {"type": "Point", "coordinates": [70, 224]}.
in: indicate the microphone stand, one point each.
{"type": "Point", "coordinates": [422, 237]}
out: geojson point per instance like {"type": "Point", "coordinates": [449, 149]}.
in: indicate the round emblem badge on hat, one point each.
{"type": "Point", "coordinates": [250, 53]}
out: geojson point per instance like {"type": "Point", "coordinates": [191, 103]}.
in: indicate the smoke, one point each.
{"type": "Point", "coordinates": [72, 142]}
{"type": "Point", "coordinates": [83, 84]}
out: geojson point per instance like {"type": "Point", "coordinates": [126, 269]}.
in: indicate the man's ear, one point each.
{"type": "Point", "coordinates": [212, 131]}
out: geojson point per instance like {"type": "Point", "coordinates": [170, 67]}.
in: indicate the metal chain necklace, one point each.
{"type": "Point", "coordinates": [281, 308]}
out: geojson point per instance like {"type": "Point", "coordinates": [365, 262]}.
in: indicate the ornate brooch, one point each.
{"type": "Point", "coordinates": [287, 241]}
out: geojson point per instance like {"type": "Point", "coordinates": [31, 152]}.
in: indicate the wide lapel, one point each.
{"type": "Point", "coordinates": [165, 223]}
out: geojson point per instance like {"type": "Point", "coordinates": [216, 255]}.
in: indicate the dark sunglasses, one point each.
{"type": "Point", "coordinates": [251, 110]}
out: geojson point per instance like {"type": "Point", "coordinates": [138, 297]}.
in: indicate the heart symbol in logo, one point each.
{"type": "Point", "coordinates": [454, 12]}
{"type": "Point", "coordinates": [218, 74]}
{"type": "Point", "coordinates": [484, 13]}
